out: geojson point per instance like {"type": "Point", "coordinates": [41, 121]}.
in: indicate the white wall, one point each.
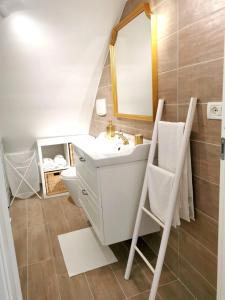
{"type": "Point", "coordinates": [51, 58]}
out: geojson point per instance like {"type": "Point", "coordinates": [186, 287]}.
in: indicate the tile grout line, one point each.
{"type": "Point", "coordinates": [138, 264]}
{"type": "Point", "coordinates": [53, 258]}
{"type": "Point", "coordinates": [124, 125]}
{"type": "Point", "coordinates": [197, 242]}
{"type": "Point", "coordinates": [207, 216]}
{"type": "Point", "coordinates": [88, 284]}
{"type": "Point", "coordinates": [135, 295]}
{"type": "Point", "coordinates": [168, 283]}
{"type": "Point", "coordinates": [51, 248]}
{"type": "Point", "coordinates": [118, 282]}
{"type": "Point", "coordinates": [170, 270]}
{"type": "Point", "coordinates": [201, 178]}
{"type": "Point", "coordinates": [180, 68]}
{"type": "Point", "coordinates": [203, 142]}
{"type": "Point", "coordinates": [167, 36]}
{"type": "Point", "coordinates": [200, 103]}
{"type": "Point", "coordinates": [200, 274]}
{"type": "Point", "coordinates": [202, 18]}
{"type": "Point", "coordinates": [200, 63]}
{"type": "Point", "coordinates": [187, 288]}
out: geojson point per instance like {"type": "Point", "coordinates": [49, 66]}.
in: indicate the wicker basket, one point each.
{"type": "Point", "coordinates": [54, 184]}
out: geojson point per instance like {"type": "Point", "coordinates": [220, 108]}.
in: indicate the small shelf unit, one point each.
{"type": "Point", "coordinates": [47, 148]}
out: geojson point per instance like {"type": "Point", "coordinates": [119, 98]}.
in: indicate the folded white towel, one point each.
{"type": "Point", "coordinates": [48, 164]}
{"type": "Point", "coordinates": [170, 137]}
{"type": "Point", "coordinates": [160, 183]}
{"type": "Point", "coordinates": [60, 161]}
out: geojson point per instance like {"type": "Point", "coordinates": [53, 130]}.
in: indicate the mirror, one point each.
{"type": "Point", "coordinates": [133, 65]}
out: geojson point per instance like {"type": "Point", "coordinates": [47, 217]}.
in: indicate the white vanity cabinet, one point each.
{"type": "Point", "coordinates": [109, 195]}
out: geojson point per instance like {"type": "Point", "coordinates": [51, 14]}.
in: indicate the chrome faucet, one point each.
{"type": "Point", "coordinates": [122, 137]}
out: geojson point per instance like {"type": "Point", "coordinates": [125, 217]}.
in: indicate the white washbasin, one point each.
{"type": "Point", "coordinates": [112, 146]}
{"type": "Point", "coordinates": [104, 151]}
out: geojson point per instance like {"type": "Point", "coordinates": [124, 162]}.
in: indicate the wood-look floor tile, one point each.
{"type": "Point", "coordinates": [104, 285]}
{"type": "Point", "coordinates": [174, 291]}
{"type": "Point", "coordinates": [74, 215]}
{"type": "Point", "coordinates": [53, 212]}
{"type": "Point", "coordinates": [144, 296]}
{"type": "Point", "coordinates": [42, 282]}
{"type": "Point", "coordinates": [203, 229]}
{"type": "Point", "coordinates": [74, 288]}
{"type": "Point", "coordinates": [38, 244]}
{"type": "Point", "coordinates": [23, 281]}
{"type": "Point", "coordinates": [199, 257]}
{"type": "Point", "coordinates": [54, 230]}
{"type": "Point", "coordinates": [166, 275]}
{"type": "Point", "coordinates": [18, 214]}
{"type": "Point", "coordinates": [172, 251]}
{"type": "Point", "coordinates": [195, 282]}
{"type": "Point", "coordinates": [20, 243]}
{"type": "Point", "coordinates": [138, 281]}
{"type": "Point", "coordinates": [35, 212]}
{"type": "Point", "coordinates": [60, 266]}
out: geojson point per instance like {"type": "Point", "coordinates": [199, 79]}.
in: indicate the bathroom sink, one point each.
{"type": "Point", "coordinates": [102, 151]}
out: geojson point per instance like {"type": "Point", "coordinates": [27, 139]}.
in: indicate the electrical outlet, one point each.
{"type": "Point", "coordinates": [214, 110]}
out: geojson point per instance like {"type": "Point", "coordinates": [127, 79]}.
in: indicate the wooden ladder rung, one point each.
{"type": "Point", "coordinates": [153, 217]}
{"type": "Point", "coordinates": [144, 259]}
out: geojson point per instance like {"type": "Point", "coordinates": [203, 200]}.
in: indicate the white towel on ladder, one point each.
{"type": "Point", "coordinates": [170, 136]}
{"type": "Point", "coordinates": [160, 184]}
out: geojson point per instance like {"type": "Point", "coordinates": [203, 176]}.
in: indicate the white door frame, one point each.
{"type": "Point", "coordinates": [221, 236]}
{"type": "Point", "coordinates": [9, 275]}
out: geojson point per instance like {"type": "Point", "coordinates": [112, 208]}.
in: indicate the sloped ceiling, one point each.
{"type": "Point", "coordinates": [51, 56]}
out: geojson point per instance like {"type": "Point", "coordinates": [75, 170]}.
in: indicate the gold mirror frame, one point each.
{"type": "Point", "coordinates": [143, 7]}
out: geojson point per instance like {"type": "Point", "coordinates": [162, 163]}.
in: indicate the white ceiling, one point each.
{"type": "Point", "coordinates": [51, 57]}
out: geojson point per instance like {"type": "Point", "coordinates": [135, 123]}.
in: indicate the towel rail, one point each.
{"type": "Point", "coordinates": [172, 199]}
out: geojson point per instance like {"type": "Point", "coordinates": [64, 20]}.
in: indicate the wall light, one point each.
{"type": "Point", "coordinates": [101, 108]}
{"type": "Point", "coordinates": [27, 30]}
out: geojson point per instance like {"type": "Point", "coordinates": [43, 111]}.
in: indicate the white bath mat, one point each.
{"type": "Point", "coordinates": [83, 252]}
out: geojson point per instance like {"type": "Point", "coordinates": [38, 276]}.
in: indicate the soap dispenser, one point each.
{"type": "Point", "coordinates": [110, 129]}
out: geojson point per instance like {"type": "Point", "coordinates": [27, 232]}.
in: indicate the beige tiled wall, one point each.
{"type": "Point", "coordinates": [190, 63]}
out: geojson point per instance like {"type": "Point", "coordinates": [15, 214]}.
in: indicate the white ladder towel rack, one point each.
{"type": "Point", "coordinates": [172, 199]}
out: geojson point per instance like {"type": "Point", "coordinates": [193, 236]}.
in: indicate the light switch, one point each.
{"type": "Point", "coordinates": [214, 110]}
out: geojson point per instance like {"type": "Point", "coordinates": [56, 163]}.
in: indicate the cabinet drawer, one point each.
{"type": "Point", "coordinates": [92, 211]}
{"type": "Point", "coordinates": [88, 173]}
